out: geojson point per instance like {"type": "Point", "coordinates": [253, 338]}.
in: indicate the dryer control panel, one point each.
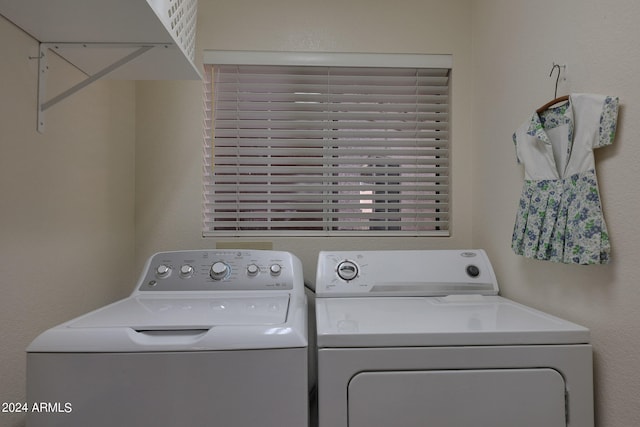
{"type": "Point", "coordinates": [219, 270]}
{"type": "Point", "coordinates": [404, 273]}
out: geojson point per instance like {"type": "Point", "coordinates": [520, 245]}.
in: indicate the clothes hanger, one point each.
{"type": "Point", "coordinates": [557, 99]}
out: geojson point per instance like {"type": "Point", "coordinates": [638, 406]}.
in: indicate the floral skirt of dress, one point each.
{"type": "Point", "coordinates": [561, 220]}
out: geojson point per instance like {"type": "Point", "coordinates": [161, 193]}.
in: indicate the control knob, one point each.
{"type": "Point", "coordinates": [275, 269]}
{"type": "Point", "coordinates": [186, 270]}
{"type": "Point", "coordinates": [473, 270]}
{"type": "Point", "coordinates": [252, 270]}
{"type": "Point", "coordinates": [163, 271]}
{"type": "Point", "coordinates": [219, 270]}
{"type": "Point", "coordinates": [347, 270]}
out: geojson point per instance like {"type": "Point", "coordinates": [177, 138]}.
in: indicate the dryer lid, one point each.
{"type": "Point", "coordinates": [438, 321]}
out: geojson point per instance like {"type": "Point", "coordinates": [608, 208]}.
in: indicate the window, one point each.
{"type": "Point", "coordinates": [299, 149]}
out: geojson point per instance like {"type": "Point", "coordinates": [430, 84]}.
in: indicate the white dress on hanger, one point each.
{"type": "Point", "coordinates": [560, 214]}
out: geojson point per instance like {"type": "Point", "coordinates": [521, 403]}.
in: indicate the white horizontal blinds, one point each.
{"type": "Point", "coordinates": [328, 150]}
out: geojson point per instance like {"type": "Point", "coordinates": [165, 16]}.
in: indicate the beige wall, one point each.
{"type": "Point", "coordinates": [514, 46]}
{"type": "Point", "coordinates": [66, 203]}
{"type": "Point", "coordinates": [67, 209]}
{"type": "Point", "coordinates": [169, 166]}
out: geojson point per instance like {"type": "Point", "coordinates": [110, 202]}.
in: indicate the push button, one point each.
{"type": "Point", "coordinates": [473, 270]}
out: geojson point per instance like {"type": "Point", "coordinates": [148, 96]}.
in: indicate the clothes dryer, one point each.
{"type": "Point", "coordinates": [421, 338]}
{"type": "Point", "coordinates": [207, 338]}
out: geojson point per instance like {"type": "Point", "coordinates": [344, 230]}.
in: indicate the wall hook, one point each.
{"type": "Point", "coordinates": [558, 66]}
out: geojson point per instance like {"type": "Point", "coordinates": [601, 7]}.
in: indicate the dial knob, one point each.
{"type": "Point", "coordinates": [473, 270]}
{"type": "Point", "coordinates": [275, 269]}
{"type": "Point", "coordinates": [163, 271]}
{"type": "Point", "coordinates": [252, 269]}
{"type": "Point", "coordinates": [186, 270]}
{"type": "Point", "coordinates": [219, 270]}
{"type": "Point", "coordinates": [347, 270]}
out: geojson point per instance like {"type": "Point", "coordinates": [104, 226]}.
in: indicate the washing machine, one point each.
{"type": "Point", "coordinates": [422, 338]}
{"type": "Point", "coordinates": [207, 338]}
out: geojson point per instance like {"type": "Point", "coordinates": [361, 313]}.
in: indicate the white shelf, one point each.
{"type": "Point", "coordinates": [114, 39]}
{"type": "Point", "coordinates": [107, 30]}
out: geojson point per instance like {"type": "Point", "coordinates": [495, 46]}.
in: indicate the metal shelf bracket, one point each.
{"type": "Point", "coordinates": [43, 70]}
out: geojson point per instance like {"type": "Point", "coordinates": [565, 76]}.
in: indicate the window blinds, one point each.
{"type": "Point", "coordinates": [314, 150]}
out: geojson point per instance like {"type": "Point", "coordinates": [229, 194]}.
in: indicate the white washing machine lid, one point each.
{"type": "Point", "coordinates": [187, 322]}
{"type": "Point", "coordinates": [458, 320]}
{"type": "Point", "coordinates": [144, 313]}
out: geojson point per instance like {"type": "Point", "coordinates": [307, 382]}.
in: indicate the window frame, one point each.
{"type": "Point", "coordinates": [321, 60]}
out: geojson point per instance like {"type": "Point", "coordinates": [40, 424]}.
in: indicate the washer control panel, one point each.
{"type": "Point", "coordinates": [214, 270]}
{"type": "Point", "coordinates": [398, 273]}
